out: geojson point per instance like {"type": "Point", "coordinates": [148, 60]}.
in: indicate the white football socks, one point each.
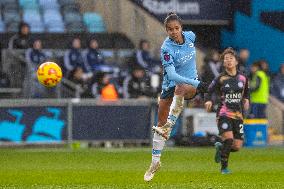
{"type": "Point", "coordinates": [158, 146]}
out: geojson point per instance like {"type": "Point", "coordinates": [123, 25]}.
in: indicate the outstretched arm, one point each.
{"type": "Point", "coordinates": [174, 76]}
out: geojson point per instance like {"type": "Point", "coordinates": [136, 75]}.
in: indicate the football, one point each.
{"type": "Point", "coordinates": [49, 74]}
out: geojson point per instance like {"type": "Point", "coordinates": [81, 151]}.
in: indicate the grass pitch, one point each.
{"type": "Point", "coordinates": [124, 168]}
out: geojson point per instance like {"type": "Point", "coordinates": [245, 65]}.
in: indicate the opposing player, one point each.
{"type": "Point", "coordinates": [180, 82]}
{"type": "Point", "coordinates": [232, 87]}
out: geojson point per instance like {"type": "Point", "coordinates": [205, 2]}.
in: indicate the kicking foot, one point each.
{"type": "Point", "coordinates": [225, 171]}
{"type": "Point", "coordinates": [218, 146]}
{"type": "Point", "coordinates": [151, 171]}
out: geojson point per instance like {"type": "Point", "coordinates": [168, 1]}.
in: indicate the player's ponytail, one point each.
{"type": "Point", "coordinates": [171, 16]}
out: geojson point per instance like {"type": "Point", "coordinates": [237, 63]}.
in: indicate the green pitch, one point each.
{"type": "Point", "coordinates": [124, 168]}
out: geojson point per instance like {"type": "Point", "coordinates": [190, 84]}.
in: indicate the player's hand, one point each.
{"type": "Point", "coordinates": [246, 104]}
{"type": "Point", "coordinates": [208, 106]}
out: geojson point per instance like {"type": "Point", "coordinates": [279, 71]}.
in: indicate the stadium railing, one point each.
{"type": "Point", "coordinates": [21, 75]}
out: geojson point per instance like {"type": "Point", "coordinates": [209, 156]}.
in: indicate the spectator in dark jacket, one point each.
{"type": "Point", "coordinates": [145, 59]}
{"type": "Point", "coordinates": [21, 40]}
{"type": "Point", "coordinates": [35, 56]}
{"type": "Point", "coordinates": [277, 88]}
{"type": "Point", "coordinates": [73, 57]}
{"type": "Point", "coordinates": [4, 80]}
{"type": "Point", "coordinates": [93, 59]}
{"type": "Point", "coordinates": [211, 67]}
{"type": "Point", "coordinates": [137, 85]}
{"type": "Point", "coordinates": [243, 59]}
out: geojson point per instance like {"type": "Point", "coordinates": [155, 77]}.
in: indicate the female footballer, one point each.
{"type": "Point", "coordinates": [179, 82]}
{"type": "Point", "coordinates": [232, 87]}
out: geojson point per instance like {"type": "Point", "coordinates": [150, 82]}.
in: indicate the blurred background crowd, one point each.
{"type": "Point", "coordinates": [103, 59]}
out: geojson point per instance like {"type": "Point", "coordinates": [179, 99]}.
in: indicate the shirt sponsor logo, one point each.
{"type": "Point", "coordinates": [233, 98]}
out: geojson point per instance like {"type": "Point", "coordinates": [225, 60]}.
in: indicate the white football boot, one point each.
{"type": "Point", "coordinates": [151, 171]}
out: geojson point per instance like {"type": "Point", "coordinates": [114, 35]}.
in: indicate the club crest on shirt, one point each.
{"type": "Point", "coordinates": [225, 126]}
{"type": "Point", "coordinates": [240, 84]}
{"type": "Point", "coordinates": [167, 57]}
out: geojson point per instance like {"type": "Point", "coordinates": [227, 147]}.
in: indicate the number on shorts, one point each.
{"type": "Point", "coordinates": [241, 128]}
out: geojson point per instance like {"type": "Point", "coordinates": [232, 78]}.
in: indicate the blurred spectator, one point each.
{"type": "Point", "coordinates": [137, 85]}
{"type": "Point", "coordinates": [243, 59]}
{"type": "Point", "coordinates": [211, 67]}
{"type": "Point", "coordinates": [73, 57]}
{"type": "Point", "coordinates": [263, 65]}
{"type": "Point", "coordinates": [259, 88]}
{"type": "Point", "coordinates": [277, 88]}
{"type": "Point", "coordinates": [103, 88]}
{"type": "Point", "coordinates": [145, 59]}
{"type": "Point", "coordinates": [78, 76]}
{"type": "Point", "coordinates": [4, 80]}
{"type": "Point", "coordinates": [94, 60]}
{"type": "Point", "coordinates": [35, 55]}
{"type": "Point", "coordinates": [21, 40]}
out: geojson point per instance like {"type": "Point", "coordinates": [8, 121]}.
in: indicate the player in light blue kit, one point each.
{"type": "Point", "coordinates": [180, 82]}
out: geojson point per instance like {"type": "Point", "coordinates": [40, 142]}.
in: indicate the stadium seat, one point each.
{"type": "Point", "coordinates": [56, 29]}
{"type": "Point", "coordinates": [49, 4]}
{"type": "Point", "coordinates": [75, 27]}
{"type": "Point", "coordinates": [29, 4]}
{"type": "Point", "coordinates": [2, 27]}
{"type": "Point", "coordinates": [10, 7]}
{"type": "Point", "coordinates": [66, 2]}
{"type": "Point", "coordinates": [51, 16]}
{"type": "Point", "coordinates": [72, 17]}
{"type": "Point", "coordinates": [11, 16]}
{"type": "Point", "coordinates": [91, 17]}
{"type": "Point", "coordinates": [36, 27]}
{"type": "Point", "coordinates": [31, 16]}
{"type": "Point", "coordinates": [4, 2]}
{"type": "Point", "coordinates": [70, 8]}
{"type": "Point", "coordinates": [12, 27]}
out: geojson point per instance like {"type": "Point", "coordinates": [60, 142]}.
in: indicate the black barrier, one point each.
{"type": "Point", "coordinates": [33, 124]}
{"type": "Point", "coordinates": [189, 10]}
{"type": "Point", "coordinates": [111, 122]}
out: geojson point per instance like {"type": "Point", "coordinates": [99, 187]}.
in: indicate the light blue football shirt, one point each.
{"type": "Point", "coordinates": [179, 61]}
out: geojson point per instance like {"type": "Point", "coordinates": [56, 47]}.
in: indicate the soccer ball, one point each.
{"type": "Point", "coordinates": [49, 74]}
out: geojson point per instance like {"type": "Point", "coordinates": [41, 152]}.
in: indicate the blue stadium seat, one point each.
{"type": "Point", "coordinates": [91, 17]}
{"type": "Point", "coordinates": [75, 27]}
{"type": "Point", "coordinates": [52, 16]}
{"type": "Point", "coordinates": [4, 2]}
{"type": "Point", "coordinates": [11, 16]}
{"type": "Point", "coordinates": [29, 4]}
{"type": "Point", "coordinates": [94, 22]}
{"type": "Point", "coordinates": [31, 16]}
{"type": "Point", "coordinates": [49, 4]}
{"type": "Point", "coordinates": [56, 28]}
{"type": "Point", "coordinates": [12, 27]}
{"type": "Point", "coordinates": [2, 27]}
{"type": "Point", "coordinates": [37, 27]}
{"type": "Point", "coordinates": [66, 2]}
{"type": "Point", "coordinates": [10, 7]}
{"type": "Point", "coordinates": [72, 17]}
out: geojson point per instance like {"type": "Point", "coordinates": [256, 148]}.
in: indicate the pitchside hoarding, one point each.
{"type": "Point", "coordinates": [33, 124]}
{"type": "Point", "coordinates": [111, 122]}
